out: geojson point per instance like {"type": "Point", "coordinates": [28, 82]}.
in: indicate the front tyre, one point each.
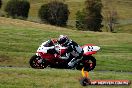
{"type": "Point", "coordinates": [37, 62]}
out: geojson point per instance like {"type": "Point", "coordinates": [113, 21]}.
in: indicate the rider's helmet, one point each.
{"type": "Point", "coordinates": [63, 39]}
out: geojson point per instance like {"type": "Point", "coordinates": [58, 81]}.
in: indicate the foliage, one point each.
{"type": "Point", "coordinates": [55, 13]}
{"type": "Point", "coordinates": [92, 19]}
{"type": "Point", "coordinates": [18, 8]}
{"type": "Point", "coordinates": [112, 19]}
{"type": "Point", "coordinates": [0, 3]}
{"type": "Point", "coordinates": [80, 20]}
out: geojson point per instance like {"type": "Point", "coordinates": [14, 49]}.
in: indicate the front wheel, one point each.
{"type": "Point", "coordinates": [37, 62]}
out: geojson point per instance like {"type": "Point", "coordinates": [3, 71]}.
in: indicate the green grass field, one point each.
{"type": "Point", "coordinates": [19, 40]}
{"type": "Point", "coordinates": [53, 78]}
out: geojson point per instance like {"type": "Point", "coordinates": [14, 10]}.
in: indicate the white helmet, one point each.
{"type": "Point", "coordinates": [63, 39]}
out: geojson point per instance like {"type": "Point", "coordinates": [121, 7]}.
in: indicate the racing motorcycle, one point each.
{"type": "Point", "coordinates": [53, 58]}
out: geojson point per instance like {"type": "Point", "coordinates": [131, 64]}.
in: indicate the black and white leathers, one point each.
{"type": "Point", "coordinates": [75, 50]}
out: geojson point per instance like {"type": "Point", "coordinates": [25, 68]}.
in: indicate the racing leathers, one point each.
{"type": "Point", "coordinates": [75, 50]}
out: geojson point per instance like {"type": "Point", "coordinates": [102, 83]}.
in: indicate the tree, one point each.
{"type": "Point", "coordinates": [111, 16]}
{"type": "Point", "coordinates": [112, 20]}
{"type": "Point", "coordinates": [0, 3]}
{"type": "Point", "coordinates": [92, 18]}
{"type": "Point", "coordinates": [18, 8]}
{"type": "Point", "coordinates": [55, 13]}
{"type": "Point", "coordinates": [80, 23]}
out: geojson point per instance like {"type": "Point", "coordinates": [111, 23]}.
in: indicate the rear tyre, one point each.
{"type": "Point", "coordinates": [88, 62]}
{"type": "Point", "coordinates": [37, 62]}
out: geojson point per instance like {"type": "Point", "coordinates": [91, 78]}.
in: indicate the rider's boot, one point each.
{"type": "Point", "coordinates": [73, 62]}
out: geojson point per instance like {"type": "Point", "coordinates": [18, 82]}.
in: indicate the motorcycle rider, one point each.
{"type": "Point", "coordinates": [73, 48]}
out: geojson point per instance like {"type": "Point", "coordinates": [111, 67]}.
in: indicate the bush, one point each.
{"type": "Point", "coordinates": [90, 18]}
{"type": "Point", "coordinates": [0, 3]}
{"type": "Point", "coordinates": [18, 8]}
{"type": "Point", "coordinates": [80, 17]}
{"type": "Point", "coordinates": [55, 13]}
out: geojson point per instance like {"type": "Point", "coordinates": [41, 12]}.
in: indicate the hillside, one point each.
{"type": "Point", "coordinates": [122, 7]}
{"type": "Point", "coordinates": [19, 40]}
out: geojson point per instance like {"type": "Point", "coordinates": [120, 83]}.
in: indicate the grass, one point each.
{"type": "Point", "coordinates": [122, 7]}
{"type": "Point", "coordinates": [20, 40]}
{"type": "Point", "coordinates": [53, 78]}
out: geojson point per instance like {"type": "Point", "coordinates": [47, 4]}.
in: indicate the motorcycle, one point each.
{"type": "Point", "coordinates": [53, 58]}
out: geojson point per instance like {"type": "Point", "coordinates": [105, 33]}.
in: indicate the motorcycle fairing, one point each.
{"type": "Point", "coordinates": [90, 49]}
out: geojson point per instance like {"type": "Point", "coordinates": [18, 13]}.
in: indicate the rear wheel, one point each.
{"type": "Point", "coordinates": [37, 62]}
{"type": "Point", "coordinates": [88, 62]}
